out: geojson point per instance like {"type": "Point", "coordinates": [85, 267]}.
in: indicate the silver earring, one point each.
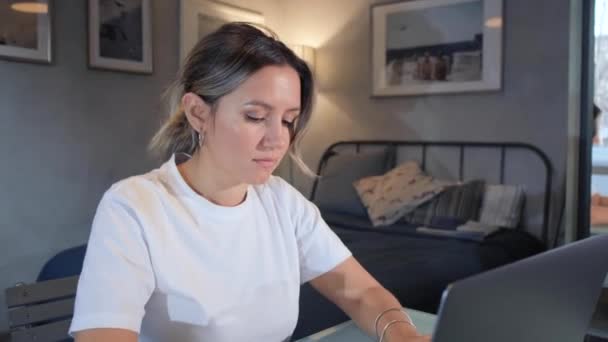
{"type": "Point", "coordinates": [193, 137]}
{"type": "Point", "coordinates": [201, 138]}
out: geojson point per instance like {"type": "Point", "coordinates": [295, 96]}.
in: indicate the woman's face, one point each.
{"type": "Point", "coordinates": [250, 131]}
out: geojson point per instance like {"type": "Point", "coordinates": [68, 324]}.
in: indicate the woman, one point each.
{"type": "Point", "coordinates": [211, 246]}
{"type": "Point", "coordinates": [599, 203]}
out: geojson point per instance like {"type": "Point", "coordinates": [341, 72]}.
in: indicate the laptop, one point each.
{"type": "Point", "coordinates": [548, 297]}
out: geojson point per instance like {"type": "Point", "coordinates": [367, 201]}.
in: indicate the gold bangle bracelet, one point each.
{"type": "Point", "coordinates": [409, 319]}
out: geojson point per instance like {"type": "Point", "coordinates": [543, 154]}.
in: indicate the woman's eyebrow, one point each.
{"type": "Point", "coordinates": [267, 106]}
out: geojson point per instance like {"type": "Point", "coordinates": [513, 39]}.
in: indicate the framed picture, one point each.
{"type": "Point", "coordinates": [201, 17]}
{"type": "Point", "coordinates": [26, 31]}
{"type": "Point", "coordinates": [436, 46]}
{"type": "Point", "coordinates": [120, 35]}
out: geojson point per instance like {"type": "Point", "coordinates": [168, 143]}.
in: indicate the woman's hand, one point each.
{"type": "Point", "coordinates": [404, 333]}
{"type": "Point", "coordinates": [398, 337]}
{"type": "Point", "coordinates": [419, 338]}
{"type": "Point", "coordinates": [358, 294]}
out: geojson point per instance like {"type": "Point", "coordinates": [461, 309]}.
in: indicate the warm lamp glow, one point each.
{"type": "Point", "coordinates": [307, 53]}
{"type": "Point", "coordinates": [494, 22]}
{"type": "Point", "coordinates": [30, 7]}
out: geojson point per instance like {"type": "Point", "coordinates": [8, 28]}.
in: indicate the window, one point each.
{"type": "Point", "coordinates": [599, 178]}
{"type": "Point", "coordinates": [601, 64]}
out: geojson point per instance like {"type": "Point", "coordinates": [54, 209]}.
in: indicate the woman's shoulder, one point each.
{"type": "Point", "coordinates": [138, 188]}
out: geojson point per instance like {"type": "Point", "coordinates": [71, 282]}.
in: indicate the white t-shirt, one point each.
{"type": "Point", "coordinates": [167, 263]}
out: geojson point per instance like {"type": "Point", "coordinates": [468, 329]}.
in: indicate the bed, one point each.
{"type": "Point", "coordinates": [415, 264]}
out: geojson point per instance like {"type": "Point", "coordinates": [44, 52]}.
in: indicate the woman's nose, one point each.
{"type": "Point", "coordinates": [277, 135]}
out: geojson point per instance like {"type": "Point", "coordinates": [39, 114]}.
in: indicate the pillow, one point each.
{"type": "Point", "coordinates": [457, 204]}
{"type": "Point", "coordinates": [502, 205]}
{"type": "Point", "coordinates": [335, 192]}
{"type": "Point", "coordinates": [474, 226]}
{"type": "Point", "coordinates": [398, 192]}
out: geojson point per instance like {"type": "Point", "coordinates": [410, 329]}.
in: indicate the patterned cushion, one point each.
{"type": "Point", "coordinates": [398, 192]}
{"type": "Point", "coordinates": [335, 192]}
{"type": "Point", "coordinates": [457, 204]}
{"type": "Point", "coordinates": [502, 205]}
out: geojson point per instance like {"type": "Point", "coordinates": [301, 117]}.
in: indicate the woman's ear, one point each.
{"type": "Point", "coordinates": [198, 112]}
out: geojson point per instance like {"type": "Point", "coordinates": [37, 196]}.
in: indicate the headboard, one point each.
{"type": "Point", "coordinates": [496, 163]}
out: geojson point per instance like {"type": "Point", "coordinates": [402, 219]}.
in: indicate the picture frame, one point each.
{"type": "Point", "coordinates": [26, 31]}
{"type": "Point", "coordinates": [426, 47]}
{"type": "Point", "coordinates": [200, 17]}
{"type": "Point", "coordinates": [120, 35]}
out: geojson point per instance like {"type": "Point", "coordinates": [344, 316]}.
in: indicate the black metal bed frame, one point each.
{"type": "Point", "coordinates": [502, 146]}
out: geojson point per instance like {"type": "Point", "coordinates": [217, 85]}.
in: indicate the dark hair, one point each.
{"type": "Point", "coordinates": [216, 66]}
{"type": "Point", "coordinates": [596, 114]}
{"type": "Point", "coordinates": [596, 111]}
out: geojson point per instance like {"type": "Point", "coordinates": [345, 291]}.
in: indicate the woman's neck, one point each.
{"type": "Point", "coordinates": [210, 182]}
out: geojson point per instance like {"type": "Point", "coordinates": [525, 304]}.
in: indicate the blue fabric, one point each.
{"type": "Point", "coordinates": [66, 263]}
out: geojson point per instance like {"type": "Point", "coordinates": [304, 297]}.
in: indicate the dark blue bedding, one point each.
{"type": "Point", "coordinates": [415, 267]}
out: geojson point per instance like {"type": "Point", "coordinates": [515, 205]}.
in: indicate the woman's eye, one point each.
{"type": "Point", "coordinates": [254, 118]}
{"type": "Point", "coordinates": [290, 122]}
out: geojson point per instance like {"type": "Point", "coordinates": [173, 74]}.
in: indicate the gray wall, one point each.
{"type": "Point", "coordinates": [67, 133]}
{"type": "Point", "coordinates": [531, 107]}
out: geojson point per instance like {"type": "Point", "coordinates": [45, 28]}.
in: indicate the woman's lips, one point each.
{"type": "Point", "coordinates": [265, 163]}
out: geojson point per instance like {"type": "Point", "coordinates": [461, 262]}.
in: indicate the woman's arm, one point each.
{"type": "Point", "coordinates": [106, 334]}
{"type": "Point", "coordinates": [599, 215]}
{"type": "Point", "coordinates": [117, 277]}
{"type": "Point", "coordinates": [362, 298]}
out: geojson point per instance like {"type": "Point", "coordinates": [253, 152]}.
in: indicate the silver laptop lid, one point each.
{"type": "Point", "coordinates": [547, 297]}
